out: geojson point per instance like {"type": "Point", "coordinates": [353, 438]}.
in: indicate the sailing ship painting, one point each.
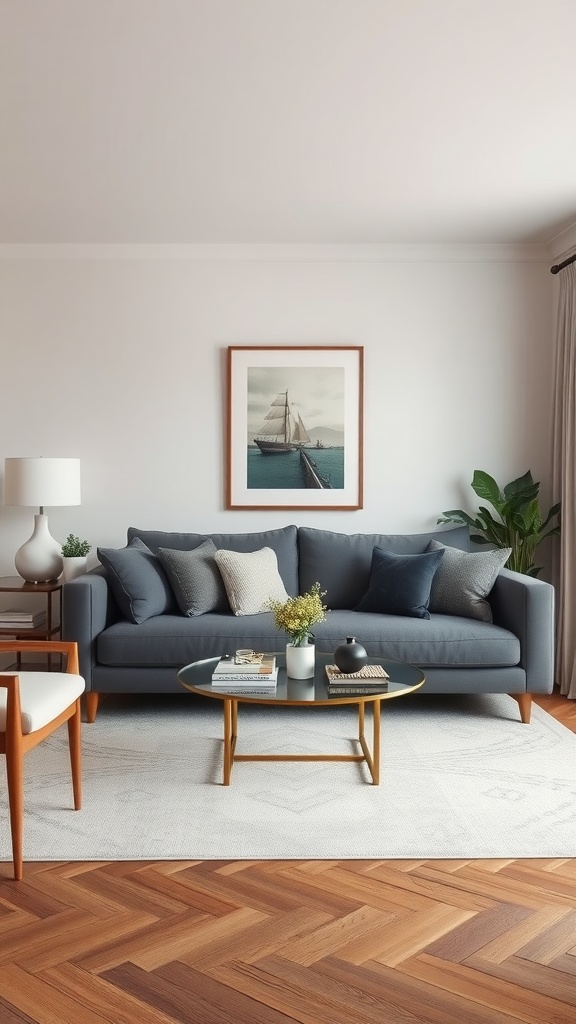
{"type": "Point", "coordinates": [307, 460]}
{"type": "Point", "coordinates": [282, 431]}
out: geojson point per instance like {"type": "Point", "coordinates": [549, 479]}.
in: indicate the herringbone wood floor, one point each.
{"type": "Point", "coordinates": [319, 942]}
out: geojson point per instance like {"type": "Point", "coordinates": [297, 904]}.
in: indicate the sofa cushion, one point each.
{"type": "Point", "coordinates": [251, 579]}
{"type": "Point", "coordinates": [282, 541]}
{"type": "Point", "coordinates": [400, 584]}
{"type": "Point", "coordinates": [464, 579]}
{"type": "Point", "coordinates": [137, 580]}
{"type": "Point", "coordinates": [446, 641]}
{"type": "Point", "coordinates": [341, 562]}
{"type": "Point", "coordinates": [195, 579]}
{"type": "Point", "coordinates": [176, 640]}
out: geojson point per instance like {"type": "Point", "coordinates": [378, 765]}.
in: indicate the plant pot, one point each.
{"type": "Point", "coordinates": [300, 661]}
{"type": "Point", "coordinates": [73, 567]}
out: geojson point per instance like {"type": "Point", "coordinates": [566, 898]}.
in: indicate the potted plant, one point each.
{"type": "Point", "coordinates": [74, 552]}
{"type": "Point", "coordinates": [519, 525]}
{"type": "Point", "coordinates": [295, 617]}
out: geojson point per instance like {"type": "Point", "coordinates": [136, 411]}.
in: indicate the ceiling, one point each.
{"type": "Point", "coordinates": [287, 121]}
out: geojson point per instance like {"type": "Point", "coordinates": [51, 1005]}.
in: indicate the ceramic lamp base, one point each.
{"type": "Point", "coordinates": [39, 560]}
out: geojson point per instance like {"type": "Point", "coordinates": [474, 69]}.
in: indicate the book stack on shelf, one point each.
{"type": "Point", "coordinates": [17, 620]}
{"type": "Point", "coordinates": [250, 673]}
{"type": "Point", "coordinates": [370, 679]}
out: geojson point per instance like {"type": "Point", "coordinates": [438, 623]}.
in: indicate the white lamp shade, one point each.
{"type": "Point", "coordinates": [42, 482]}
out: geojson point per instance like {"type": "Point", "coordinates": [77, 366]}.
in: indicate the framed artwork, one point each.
{"type": "Point", "coordinates": [294, 431]}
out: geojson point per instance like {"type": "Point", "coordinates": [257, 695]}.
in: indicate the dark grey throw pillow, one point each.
{"type": "Point", "coordinates": [195, 579]}
{"type": "Point", "coordinates": [464, 580]}
{"type": "Point", "coordinates": [400, 584]}
{"type": "Point", "coordinates": [137, 580]}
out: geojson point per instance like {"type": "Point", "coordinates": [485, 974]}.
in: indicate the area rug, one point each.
{"type": "Point", "coordinates": [461, 778]}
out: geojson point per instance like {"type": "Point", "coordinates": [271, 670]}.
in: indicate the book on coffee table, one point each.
{"type": "Point", "coordinates": [261, 673]}
{"type": "Point", "coordinates": [367, 674]}
{"type": "Point", "coordinates": [357, 690]}
{"type": "Point", "coordinates": [369, 679]}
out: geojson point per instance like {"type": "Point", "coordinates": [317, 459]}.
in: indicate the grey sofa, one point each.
{"type": "Point", "coordinates": [513, 654]}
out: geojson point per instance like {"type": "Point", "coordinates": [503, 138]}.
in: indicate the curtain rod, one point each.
{"type": "Point", "coordinates": [560, 266]}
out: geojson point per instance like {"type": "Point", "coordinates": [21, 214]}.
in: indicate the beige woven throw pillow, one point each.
{"type": "Point", "coordinates": [251, 579]}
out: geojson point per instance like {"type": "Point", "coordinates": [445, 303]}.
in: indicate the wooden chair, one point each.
{"type": "Point", "coordinates": [33, 704]}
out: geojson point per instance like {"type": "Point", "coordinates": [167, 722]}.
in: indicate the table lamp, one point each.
{"type": "Point", "coordinates": [41, 482]}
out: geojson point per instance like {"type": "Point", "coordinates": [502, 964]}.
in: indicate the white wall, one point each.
{"type": "Point", "coordinates": [117, 357]}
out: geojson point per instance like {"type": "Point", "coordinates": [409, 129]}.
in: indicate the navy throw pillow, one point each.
{"type": "Point", "coordinates": [137, 580]}
{"type": "Point", "coordinates": [400, 584]}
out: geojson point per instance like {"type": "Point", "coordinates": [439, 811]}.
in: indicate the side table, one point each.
{"type": "Point", "coordinates": [52, 592]}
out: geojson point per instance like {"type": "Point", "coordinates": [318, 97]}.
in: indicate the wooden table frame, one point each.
{"type": "Point", "coordinates": [196, 678]}
{"type": "Point", "coordinates": [372, 758]}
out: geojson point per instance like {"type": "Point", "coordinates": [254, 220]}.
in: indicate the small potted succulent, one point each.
{"type": "Point", "coordinates": [74, 552]}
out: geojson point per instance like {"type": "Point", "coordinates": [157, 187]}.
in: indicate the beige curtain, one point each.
{"type": "Point", "coordinates": [564, 478]}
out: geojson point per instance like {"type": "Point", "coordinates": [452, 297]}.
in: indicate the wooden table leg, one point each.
{"type": "Point", "coordinates": [372, 757]}
{"type": "Point", "coordinates": [227, 742]}
{"type": "Point", "coordinates": [230, 708]}
{"type": "Point", "coordinates": [360, 720]}
{"type": "Point", "coordinates": [376, 742]}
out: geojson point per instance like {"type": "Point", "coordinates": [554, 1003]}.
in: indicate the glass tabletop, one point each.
{"type": "Point", "coordinates": [403, 678]}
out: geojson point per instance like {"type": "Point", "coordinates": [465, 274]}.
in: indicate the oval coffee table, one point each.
{"type": "Point", "coordinates": [403, 679]}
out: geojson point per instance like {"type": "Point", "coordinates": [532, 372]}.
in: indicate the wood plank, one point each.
{"type": "Point", "coordinates": [506, 944]}
{"type": "Point", "coordinates": [461, 942]}
{"type": "Point", "coordinates": [366, 924]}
{"type": "Point", "coordinates": [419, 930]}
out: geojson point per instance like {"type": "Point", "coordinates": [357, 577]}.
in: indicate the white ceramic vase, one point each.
{"type": "Point", "coordinates": [73, 567]}
{"type": "Point", "coordinates": [300, 661]}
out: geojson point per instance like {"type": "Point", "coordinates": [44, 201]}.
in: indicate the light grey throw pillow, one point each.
{"type": "Point", "coordinates": [464, 579]}
{"type": "Point", "coordinates": [195, 579]}
{"type": "Point", "coordinates": [251, 579]}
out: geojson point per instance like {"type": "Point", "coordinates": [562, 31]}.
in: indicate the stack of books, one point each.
{"type": "Point", "coordinates": [260, 672]}
{"type": "Point", "coordinates": [17, 620]}
{"type": "Point", "coordinates": [370, 679]}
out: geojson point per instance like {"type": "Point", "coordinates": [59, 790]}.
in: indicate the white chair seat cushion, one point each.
{"type": "Point", "coordinates": [43, 696]}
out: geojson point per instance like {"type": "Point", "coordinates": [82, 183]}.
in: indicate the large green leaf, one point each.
{"type": "Point", "coordinates": [495, 531]}
{"type": "Point", "coordinates": [527, 521]}
{"type": "Point", "coordinates": [456, 515]}
{"type": "Point", "coordinates": [522, 484]}
{"type": "Point", "coordinates": [486, 487]}
{"type": "Point", "coordinates": [554, 511]}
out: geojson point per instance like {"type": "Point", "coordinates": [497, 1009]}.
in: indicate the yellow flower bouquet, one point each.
{"type": "Point", "coordinates": [298, 614]}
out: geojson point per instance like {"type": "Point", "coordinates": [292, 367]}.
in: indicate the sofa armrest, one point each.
{"type": "Point", "coordinates": [87, 608]}
{"type": "Point", "coordinates": [525, 606]}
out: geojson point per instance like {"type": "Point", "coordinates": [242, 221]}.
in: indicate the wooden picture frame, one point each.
{"type": "Point", "coordinates": [295, 427]}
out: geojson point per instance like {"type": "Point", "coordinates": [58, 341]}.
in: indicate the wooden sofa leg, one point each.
{"type": "Point", "coordinates": [91, 705]}
{"type": "Point", "coordinates": [525, 706]}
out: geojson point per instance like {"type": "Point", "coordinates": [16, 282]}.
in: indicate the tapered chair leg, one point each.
{"type": "Point", "coordinates": [15, 777]}
{"type": "Point", "coordinates": [75, 744]}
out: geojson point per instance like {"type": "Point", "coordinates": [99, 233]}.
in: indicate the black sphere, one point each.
{"type": "Point", "coordinates": [351, 656]}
